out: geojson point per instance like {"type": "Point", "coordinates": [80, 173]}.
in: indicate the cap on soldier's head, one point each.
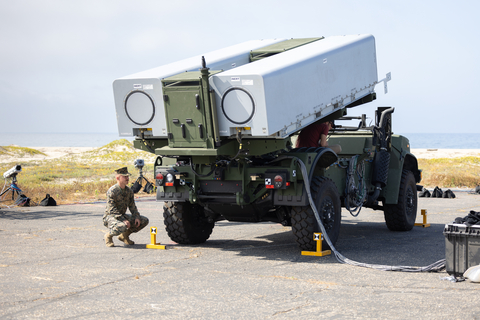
{"type": "Point", "coordinates": [123, 171]}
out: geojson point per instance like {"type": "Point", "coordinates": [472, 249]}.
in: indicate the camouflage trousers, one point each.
{"type": "Point", "coordinates": [117, 227]}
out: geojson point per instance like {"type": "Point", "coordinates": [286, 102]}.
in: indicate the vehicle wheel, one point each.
{"type": "Point", "coordinates": [401, 216]}
{"type": "Point", "coordinates": [186, 223]}
{"type": "Point", "coordinates": [327, 201]}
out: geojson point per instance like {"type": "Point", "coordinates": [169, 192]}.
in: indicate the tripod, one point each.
{"type": "Point", "coordinates": [13, 188]}
{"type": "Point", "coordinates": [137, 185]}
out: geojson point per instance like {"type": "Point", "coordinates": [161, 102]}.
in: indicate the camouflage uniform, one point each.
{"type": "Point", "coordinates": [118, 201]}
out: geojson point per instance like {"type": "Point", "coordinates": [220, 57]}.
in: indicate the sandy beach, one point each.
{"type": "Point", "coordinates": [50, 153]}
{"type": "Point", "coordinates": [59, 152]}
{"type": "Point", "coordinates": [445, 153]}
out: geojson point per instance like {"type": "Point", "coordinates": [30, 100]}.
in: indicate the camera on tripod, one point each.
{"type": "Point", "coordinates": [139, 164]}
{"type": "Point", "coordinates": [22, 200]}
{"type": "Point", "coordinates": [13, 171]}
{"type": "Point", "coordinates": [137, 185]}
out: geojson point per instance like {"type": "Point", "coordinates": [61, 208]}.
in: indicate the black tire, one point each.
{"type": "Point", "coordinates": [327, 201]}
{"type": "Point", "coordinates": [186, 223]}
{"type": "Point", "coordinates": [401, 216]}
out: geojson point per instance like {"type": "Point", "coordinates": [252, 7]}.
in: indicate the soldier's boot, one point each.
{"type": "Point", "coordinates": [109, 240]}
{"type": "Point", "coordinates": [124, 237]}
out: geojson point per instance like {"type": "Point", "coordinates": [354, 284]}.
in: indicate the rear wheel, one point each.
{"type": "Point", "coordinates": [186, 223]}
{"type": "Point", "coordinates": [327, 201]}
{"type": "Point", "coordinates": [401, 216]}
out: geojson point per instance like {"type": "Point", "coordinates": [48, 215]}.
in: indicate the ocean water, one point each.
{"type": "Point", "coordinates": [443, 140]}
{"type": "Point", "coordinates": [417, 140]}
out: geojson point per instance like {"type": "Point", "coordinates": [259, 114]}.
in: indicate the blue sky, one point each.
{"type": "Point", "coordinates": [58, 59]}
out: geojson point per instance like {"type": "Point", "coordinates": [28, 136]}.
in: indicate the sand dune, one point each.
{"type": "Point", "coordinates": [59, 152]}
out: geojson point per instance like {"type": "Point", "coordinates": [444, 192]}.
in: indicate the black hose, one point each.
{"type": "Point", "coordinates": [434, 267]}
{"type": "Point", "coordinates": [201, 175]}
{"type": "Point", "coordinates": [145, 143]}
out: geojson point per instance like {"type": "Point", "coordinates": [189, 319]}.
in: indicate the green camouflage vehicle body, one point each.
{"type": "Point", "coordinates": [203, 177]}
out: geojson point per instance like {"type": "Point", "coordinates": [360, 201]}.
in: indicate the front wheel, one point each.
{"type": "Point", "coordinates": [186, 223]}
{"type": "Point", "coordinates": [327, 202]}
{"type": "Point", "coordinates": [401, 216]}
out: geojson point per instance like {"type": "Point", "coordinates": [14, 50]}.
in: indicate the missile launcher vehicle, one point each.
{"type": "Point", "coordinates": [224, 126]}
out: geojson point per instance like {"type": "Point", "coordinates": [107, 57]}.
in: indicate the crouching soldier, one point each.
{"type": "Point", "coordinates": [119, 198]}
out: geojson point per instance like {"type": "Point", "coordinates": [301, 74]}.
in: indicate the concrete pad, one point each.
{"type": "Point", "coordinates": [54, 264]}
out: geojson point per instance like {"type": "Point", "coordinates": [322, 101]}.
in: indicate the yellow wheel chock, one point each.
{"type": "Point", "coordinates": [424, 224]}
{"type": "Point", "coordinates": [154, 244]}
{"type": "Point", "coordinates": [318, 237]}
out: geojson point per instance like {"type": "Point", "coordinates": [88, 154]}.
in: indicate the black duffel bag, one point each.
{"type": "Point", "coordinates": [48, 201]}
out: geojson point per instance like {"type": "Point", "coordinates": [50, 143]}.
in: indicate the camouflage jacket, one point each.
{"type": "Point", "coordinates": [118, 201]}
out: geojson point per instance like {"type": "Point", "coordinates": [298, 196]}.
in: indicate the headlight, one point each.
{"type": "Point", "coordinates": [170, 179]}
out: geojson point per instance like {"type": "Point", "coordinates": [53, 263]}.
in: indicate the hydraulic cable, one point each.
{"type": "Point", "coordinates": [434, 267]}
{"type": "Point", "coordinates": [201, 175]}
{"type": "Point", "coordinates": [240, 145]}
{"type": "Point", "coordinates": [208, 174]}
{"type": "Point", "coordinates": [355, 195]}
{"type": "Point", "coordinates": [145, 142]}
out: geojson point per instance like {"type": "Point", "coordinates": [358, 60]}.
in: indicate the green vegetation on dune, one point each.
{"type": "Point", "coordinates": [118, 151]}
{"type": "Point", "coordinates": [79, 177]}
{"type": "Point", "coordinates": [450, 172]}
{"type": "Point", "coordinates": [87, 176]}
{"type": "Point", "coordinates": [17, 151]}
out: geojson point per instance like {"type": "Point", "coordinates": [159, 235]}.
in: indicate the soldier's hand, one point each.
{"type": "Point", "coordinates": [137, 222]}
{"type": "Point", "coordinates": [127, 223]}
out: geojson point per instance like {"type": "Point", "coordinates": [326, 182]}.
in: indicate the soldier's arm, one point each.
{"type": "Point", "coordinates": [323, 141]}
